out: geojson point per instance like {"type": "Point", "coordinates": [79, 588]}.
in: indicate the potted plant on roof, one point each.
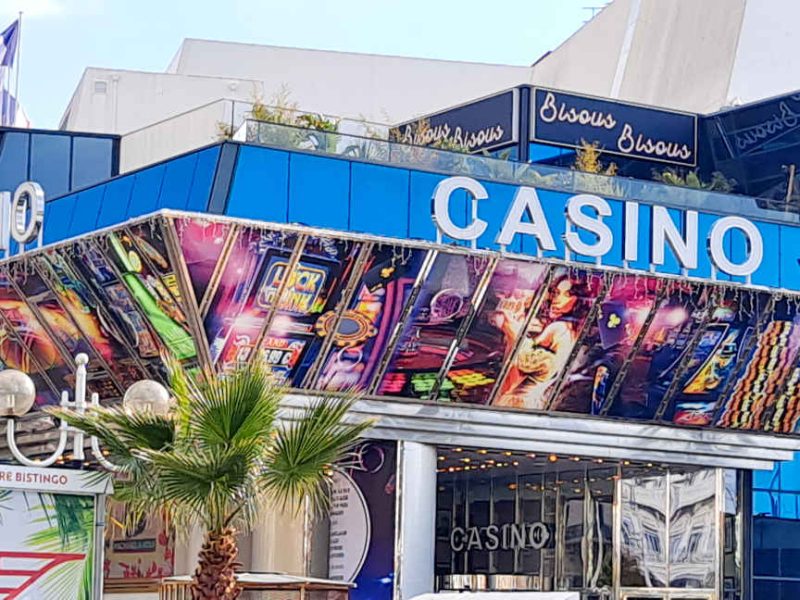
{"type": "Point", "coordinates": [216, 454]}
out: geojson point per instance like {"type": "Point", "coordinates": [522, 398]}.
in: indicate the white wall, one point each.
{"type": "Point", "coordinates": [767, 59]}
{"type": "Point", "coordinates": [174, 136]}
{"type": "Point", "coordinates": [682, 53]}
{"type": "Point", "coordinates": [116, 101]}
{"type": "Point", "coordinates": [378, 88]}
{"type": "Point", "coordinates": [586, 62]}
{"type": "Point", "coordinates": [357, 86]}
{"type": "Point", "coordinates": [672, 53]}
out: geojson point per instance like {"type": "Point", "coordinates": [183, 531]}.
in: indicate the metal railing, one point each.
{"type": "Point", "coordinates": [376, 149]}
{"type": "Point", "coordinates": [219, 120]}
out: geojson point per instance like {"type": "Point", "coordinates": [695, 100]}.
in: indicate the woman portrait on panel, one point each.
{"type": "Point", "coordinates": [548, 342]}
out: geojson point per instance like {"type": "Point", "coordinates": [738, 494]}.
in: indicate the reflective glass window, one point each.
{"type": "Point", "coordinates": [50, 163]}
{"type": "Point", "coordinates": [776, 532]}
{"type": "Point", "coordinates": [765, 480]}
{"type": "Point", "coordinates": [693, 537]}
{"type": "Point", "coordinates": [91, 160]}
{"type": "Point", "coordinates": [13, 159]}
{"type": "Point", "coordinates": [644, 532]}
{"type": "Point", "coordinates": [766, 589]}
{"type": "Point", "coordinates": [789, 476]}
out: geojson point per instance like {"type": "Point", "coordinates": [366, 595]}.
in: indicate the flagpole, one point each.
{"type": "Point", "coordinates": [16, 60]}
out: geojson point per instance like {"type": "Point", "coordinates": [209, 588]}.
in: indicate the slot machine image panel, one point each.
{"type": "Point", "coordinates": [379, 301]}
{"type": "Point", "coordinates": [238, 309]}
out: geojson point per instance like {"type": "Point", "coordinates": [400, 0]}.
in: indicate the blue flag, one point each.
{"type": "Point", "coordinates": [8, 44]}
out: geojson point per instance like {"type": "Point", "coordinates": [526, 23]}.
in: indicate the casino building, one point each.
{"type": "Point", "coordinates": [578, 378]}
{"type": "Point", "coordinates": [575, 320]}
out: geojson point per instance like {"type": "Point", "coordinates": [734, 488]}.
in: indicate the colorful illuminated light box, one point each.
{"type": "Point", "coordinates": [314, 287]}
{"type": "Point", "coordinates": [493, 333]}
{"type": "Point", "coordinates": [237, 311]}
{"type": "Point", "coordinates": [441, 307]}
{"type": "Point", "coordinates": [147, 274]}
{"type": "Point", "coordinates": [548, 340]}
{"type": "Point", "coordinates": [401, 320]}
{"type": "Point", "coordinates": [377, 305]}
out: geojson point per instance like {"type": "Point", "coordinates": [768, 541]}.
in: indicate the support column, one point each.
{"type": "Point", "coordinates": [187, 549]}
{"type": "Point", "coordinates": [278, 542]}
{"type": "Point", "coordinates": [416, 519]}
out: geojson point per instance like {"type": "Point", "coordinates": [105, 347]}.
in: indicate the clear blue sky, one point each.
{"type": "Point", "coordinates": [62, 37]}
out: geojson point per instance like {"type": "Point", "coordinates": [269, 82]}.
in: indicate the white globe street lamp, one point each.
{"type": "Point", "coordinates": [17, 395]}
{"type": "Point", "coordinates": [147, 396]}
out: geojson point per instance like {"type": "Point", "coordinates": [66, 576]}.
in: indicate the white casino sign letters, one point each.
{"type": "Point", "coordinates": [21, 216]}
{"type": "Point", "coordinates": [586, 212]}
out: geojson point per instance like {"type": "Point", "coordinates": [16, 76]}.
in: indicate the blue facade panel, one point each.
{"type": "Point", "coordinates": [116, 201]}
{"type": "Point", "coordinates": [379, 200]}
{"type": "Point", "coordinates": [203, 179]}
{"type": "Point", "coordinates": [260, 188]}
{"type": "Point", "coordinates": [147, 190]}
{"type": "Point", "coordinates": [183, 183]}
{"type": "Point", "coordinates": [57, 219]}
{"type": "Point", "coordinates": [177, 183]}
{"type": "Point", "coordinates": [420, 226]}
{"type": "Point", "coordinates": [87, 209]}
{"type": "Point", "coordinates": [319, 191]}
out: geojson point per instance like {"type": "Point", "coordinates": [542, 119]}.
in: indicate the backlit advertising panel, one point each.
{"type": "Point", "coordinates": [411, 320]}
{"type": "Point", "coordinates": [201, 243]}
{"type": "Point", "coordinates": [719, 350]}
{"type": "Point", "coordinates": [493, 333]}
{"type": "Point", "coordinates": [764, 371]}
{"type": "Point", "coordinates": [90, 318]}
{"type": "Point", "coordinates": [613, 334]}
{"type": "Point", "coordinates": [314, 287]}
{"type": "Point", "coordinates": [43, 299]}
{"type": "Point", "coordinates": [95, 268]}
{"type": "Point", "coordinates": [237, 312]}
{"type": "Point", "coordinates": [444, 301]}
{"type": "Point", "coordinates": [664, 346]}
{"type": "Point", "coordinates": [380, 298]}
{"type": "Point", "coordinates": [151, 294]}
{"type": "Point", "coordinates": [549, 338]}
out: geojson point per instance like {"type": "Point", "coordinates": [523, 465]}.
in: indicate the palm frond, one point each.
{"type": "Point", "coordinates": [240, 406]}
{"type": "Point", "coordinates": [221, 455]}
{"type": "Point", "coordinates": [118, 431]}
{"type": "Point", "coordinates": [305, 451]}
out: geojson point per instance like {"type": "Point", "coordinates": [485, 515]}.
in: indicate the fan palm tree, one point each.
{"type": "Point", "coordinates": [218, 457]}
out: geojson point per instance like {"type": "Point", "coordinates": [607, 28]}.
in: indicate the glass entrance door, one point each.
{"type": "Point", "coordinates": [611, 531]}
{"type": "Point", "coordinates": [669, 534]}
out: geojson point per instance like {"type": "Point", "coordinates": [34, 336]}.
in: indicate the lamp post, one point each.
{"type": "Point", "coordinates": [17, 394]}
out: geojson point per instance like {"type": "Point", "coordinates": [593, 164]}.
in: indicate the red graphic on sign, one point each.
{"type": "Point", "coordinates": [51, 560]}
